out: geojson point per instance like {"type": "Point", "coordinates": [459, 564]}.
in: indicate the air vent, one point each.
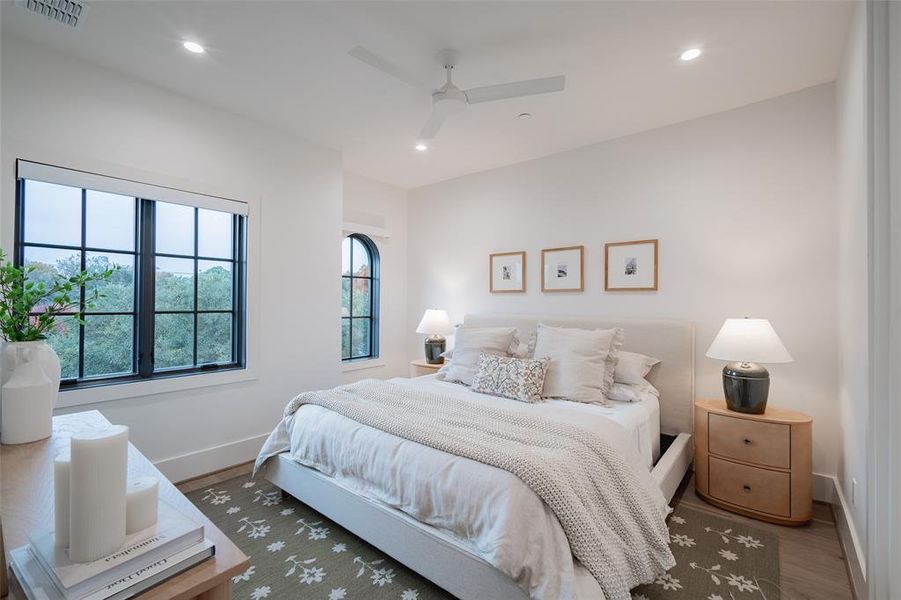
{"type": "Point", "coordinates": [66, 12]}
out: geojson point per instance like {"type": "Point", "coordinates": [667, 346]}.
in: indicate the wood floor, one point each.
{"type": "Point", "coordinates": [811, 561]}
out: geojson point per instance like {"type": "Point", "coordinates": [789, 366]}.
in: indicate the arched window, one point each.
{"type": "Point", "coordinates": [359, 298]}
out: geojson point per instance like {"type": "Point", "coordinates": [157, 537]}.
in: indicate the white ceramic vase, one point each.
{"type": "Point", "coordinates": [29, 384]}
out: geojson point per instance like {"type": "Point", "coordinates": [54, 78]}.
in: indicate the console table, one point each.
{"type": "Point", "coordinates": [26, 504]}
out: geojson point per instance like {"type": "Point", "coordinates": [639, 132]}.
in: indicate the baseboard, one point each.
{"type": "Point", "coordinates": [826, 488]}
{"type": "Point", "coordinates": [208, 460]}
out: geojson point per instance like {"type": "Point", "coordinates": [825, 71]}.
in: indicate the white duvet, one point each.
{"type": "Point", "coordinates": [489, 511]}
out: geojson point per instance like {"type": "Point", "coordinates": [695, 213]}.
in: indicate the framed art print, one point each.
{"type": "Point", "coordinates": [507, 272]}
{"type": "Point", "coordinates": [630, 266]}
{"type": "Point", "coordinates": [562, 269]}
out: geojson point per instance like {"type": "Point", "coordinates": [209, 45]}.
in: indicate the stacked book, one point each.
{"type": "Point", "coordinates": [149, 557]}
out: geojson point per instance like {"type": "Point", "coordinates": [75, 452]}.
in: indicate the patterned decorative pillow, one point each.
{"type": "Point", "coordinates": [516, 378]}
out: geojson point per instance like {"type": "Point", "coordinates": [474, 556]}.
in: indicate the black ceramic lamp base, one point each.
{"type": "Point", "coordinates": [434, 347]}
{"type": "Point", "coordinates": [746, 386]}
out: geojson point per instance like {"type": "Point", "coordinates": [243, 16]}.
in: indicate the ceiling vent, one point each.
{"type": "Point", "coordinates": [66, 12]}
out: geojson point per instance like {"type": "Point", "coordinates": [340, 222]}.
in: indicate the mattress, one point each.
{"type": "Point", "coordinates": [488, 510]}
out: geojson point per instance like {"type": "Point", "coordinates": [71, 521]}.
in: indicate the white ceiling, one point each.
{"type": "Point", "coordinates": [286, 64]}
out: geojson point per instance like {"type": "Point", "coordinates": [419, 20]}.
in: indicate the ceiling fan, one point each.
{"type": "Point", "coordinates": [449, 99]}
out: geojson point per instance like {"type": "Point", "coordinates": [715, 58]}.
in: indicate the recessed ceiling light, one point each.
{"type": "Point", "coordinates": [524, 116]}
{"type": "Point", "coordinates": [193, 47]}
{"type": "Point", "coordinates": [691, 54]}
{"type": "Point", "coordinates": [421, 147]}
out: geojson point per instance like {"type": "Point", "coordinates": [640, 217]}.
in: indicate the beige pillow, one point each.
{"type": "Point", "coordinates": [582, 361]}
{"type": "Point", "coordinates": [469, 343]}
{"type": "Point", "coordinates": [632, 367]}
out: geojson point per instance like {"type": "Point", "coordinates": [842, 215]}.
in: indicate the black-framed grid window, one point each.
{"type": "Point", "coordinates": [175, 304]}
{"type": "Point", "coordinates": [359, 298]}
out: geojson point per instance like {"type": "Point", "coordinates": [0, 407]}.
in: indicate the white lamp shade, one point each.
{"type": "Point", "coordinates": [748, 340]}
{"type": "Point", "coordinates": [434, 322]}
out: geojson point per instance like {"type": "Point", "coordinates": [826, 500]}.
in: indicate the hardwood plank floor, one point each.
{"type": "Point", "coordinates": [811, 561]}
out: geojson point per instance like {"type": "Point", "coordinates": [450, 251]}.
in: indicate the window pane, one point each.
{"type": "Point", "coordinates": [174, 283]}
{"type": "Point", "coordinates": [52, 214]}
{"type": "Point", "coordinates": [214, 285]}
{"type": "Point", "coordinates": [361, 297]}
{"type": "Point", "coordinates": [49, 264]}
{"type": "Point", "coordinates": [345, 256]}
{"type": "Point", "coordinates": [110, 221]}
{"type": "Point", "coordinates": [345, 297]}
{"type": "Point", "coordinates": [360, 343]}
{"type": "Point", "coordinates": [174, 229]}
{"type": "Point", "coordinates": [361, 259]}
{"type": "Point", "coordinates": [108, 344]}
{"type": "Point", "coordinates": [214, 338]}
{"type": "Point", "coordinates": [173, 344]}
{"type": "Point", "coordinates": [214, 233]}
{"type": "Point", "coordinates": [345, 338]}
{"type": "Point", "coordinates": [117, 292]}
{"type": "Point", "coordinates": [63, 338]}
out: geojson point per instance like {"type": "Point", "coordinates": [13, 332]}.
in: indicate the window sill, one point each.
{"type": "Point", "coordinates": [359, 365]}
{"type": "Point", "coordinates": [121, 391]}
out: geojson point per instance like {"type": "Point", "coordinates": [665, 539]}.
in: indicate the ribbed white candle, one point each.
{"type": "Point", "coordinates": [142, 500]}
{"type": "Point", "coordinates": [61, 499]}
{"type": "Point", "coordinates": [97, 482]}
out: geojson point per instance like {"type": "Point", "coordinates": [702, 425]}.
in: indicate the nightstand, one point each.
{"type": "Point", "coordinates": [420, 367]}
{"type": "Point", "coordinates": [759, 466]}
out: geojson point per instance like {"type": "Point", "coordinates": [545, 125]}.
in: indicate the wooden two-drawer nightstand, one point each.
{"type": "Point", "coordinates": [756, 465]}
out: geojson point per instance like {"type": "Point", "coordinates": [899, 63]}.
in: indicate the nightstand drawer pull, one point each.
{"type": "Point", "coordinates": [746, 488]}
{"type": "Point", "coordinates": [747, 442]}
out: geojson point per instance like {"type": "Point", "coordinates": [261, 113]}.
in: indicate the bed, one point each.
{"type": "Point", "coordinates": [463, 542]}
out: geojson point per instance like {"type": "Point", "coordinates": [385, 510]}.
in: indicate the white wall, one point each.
{"type": "Point", "coordinates": [59, 110]}
{"type": "Point", "coordinates": [380, 207]}
{"type": "Point", "coordinates": [853, 299]}
{"type": "Point", "coordinates": [743, 203]}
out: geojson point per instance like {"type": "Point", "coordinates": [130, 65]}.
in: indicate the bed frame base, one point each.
{"type": "Point", "coordinates": [422, 548]}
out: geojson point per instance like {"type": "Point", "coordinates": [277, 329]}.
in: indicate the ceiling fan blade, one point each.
{"type": "Point", "coordinates": [502, 91]}
{"type": "Point", "coordinates": [373, 60]}
{"type": "Point", "coordinates": [436, 120]}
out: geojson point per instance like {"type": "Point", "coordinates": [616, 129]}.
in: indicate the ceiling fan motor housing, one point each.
{"type": "Point", "coordinates": [451, 100]}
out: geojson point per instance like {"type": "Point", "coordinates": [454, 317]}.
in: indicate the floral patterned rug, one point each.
{"type": "Point", "coordinates": [297, 553]}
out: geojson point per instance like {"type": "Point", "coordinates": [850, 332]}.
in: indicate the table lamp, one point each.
{"type": "Point", "coordinates": [747, 342]}
{"type": "Point", "coordinates": [436, 324]}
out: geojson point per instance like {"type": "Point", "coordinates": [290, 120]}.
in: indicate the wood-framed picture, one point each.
{"type": "Point", "coordinates": [563, 269]}
{"type": "Point", "coordinates": [631, 266]}
{"type": "Point", "coordinates": [507, 272]}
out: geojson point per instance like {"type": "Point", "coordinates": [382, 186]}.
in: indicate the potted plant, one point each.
{"type": "Point", "coordinates": [29, 367]}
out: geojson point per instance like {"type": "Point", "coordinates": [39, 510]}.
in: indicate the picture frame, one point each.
{"type": "Point", "coordinates": [507, 272]}
{"type": "Point", "coordinates": [563, 269]}
{"type": "Point", "coordinates": [631, 266]}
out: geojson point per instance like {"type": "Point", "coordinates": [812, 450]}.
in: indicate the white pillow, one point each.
{"type": "Point", "coordinates": [469, 343]}
{"type": "Point", "coordinates": [624, 392]}
{"type": "Point", "coordinates": [523, 350]}
{"type": "Point", "coordinates": [582, 361]}
{"type": "Point", "coordinates": [632, 367]}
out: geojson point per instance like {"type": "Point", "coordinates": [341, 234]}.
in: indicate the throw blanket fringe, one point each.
{"type": "Point", "coordinates": [606, 510]}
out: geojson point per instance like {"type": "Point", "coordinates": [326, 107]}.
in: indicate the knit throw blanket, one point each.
{"type": "Point", "coordinates": [612, 524]}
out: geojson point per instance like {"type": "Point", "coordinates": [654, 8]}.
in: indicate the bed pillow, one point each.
{"type": "Point", "coordinates": [632, 367]}
{"type": "Point", "coordinates": [582, 361]}
{"type": "Point", "coordinates": [469, 343]}
{"type": "Point", "coordinates": [515, 378]}
{"type": "Point", "coordinates": [624, 392]}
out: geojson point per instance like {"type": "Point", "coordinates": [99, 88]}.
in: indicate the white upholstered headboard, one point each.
{"type": "Point", "coordinates": [672, 341]}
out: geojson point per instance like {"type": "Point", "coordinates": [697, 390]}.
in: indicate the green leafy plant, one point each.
{"type": "Point", "coordinates": [20, 320]}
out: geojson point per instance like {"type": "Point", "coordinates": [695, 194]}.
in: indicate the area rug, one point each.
{"type": "Point", "coordinates": [297, 553]}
